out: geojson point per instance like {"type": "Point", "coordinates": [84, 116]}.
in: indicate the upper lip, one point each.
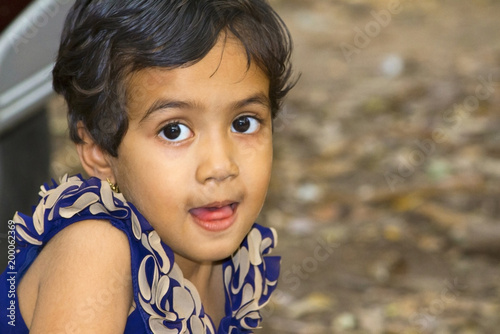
{"type": "Point", "coordinates": [217, 204]}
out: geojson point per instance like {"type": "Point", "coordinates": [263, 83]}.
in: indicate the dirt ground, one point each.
{"type": "Point", "coordinates": [385, 191]}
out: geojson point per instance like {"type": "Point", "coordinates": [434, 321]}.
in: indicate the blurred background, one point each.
{"type": "Point", "coordinates": [386, 185]}
{"type": "Point", "coordinates": [386, 189]}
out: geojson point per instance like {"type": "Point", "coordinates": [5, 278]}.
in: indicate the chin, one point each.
{"type": "Point", "coordinates": [222, 252]}
{"type": "Point", "coordinates": [219, 246]}
{"type": "Point", "coordinates": [219, 250]}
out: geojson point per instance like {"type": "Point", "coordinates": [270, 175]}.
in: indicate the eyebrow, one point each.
{"type": "Point", "coordinates": [162, 104]}
{"type": "Point", "coordinates": [165, 104]}
{"type": "Point", "coordinates": [259, 98]}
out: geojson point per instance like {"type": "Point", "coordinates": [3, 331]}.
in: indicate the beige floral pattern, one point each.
{"type": "Point", "coordinates": [166, 301]}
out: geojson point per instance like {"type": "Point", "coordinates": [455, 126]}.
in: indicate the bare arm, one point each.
{"type": "Point", "coordinates": [85, 282]}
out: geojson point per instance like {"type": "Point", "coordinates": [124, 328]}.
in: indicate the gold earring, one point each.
{"type": "Point", "coordinates": [113, 187]}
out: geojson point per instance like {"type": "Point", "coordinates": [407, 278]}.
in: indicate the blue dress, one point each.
{"type": "Point", "coordinates": [164, 301]}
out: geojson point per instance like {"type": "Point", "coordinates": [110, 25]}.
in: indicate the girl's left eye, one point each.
{"type": "Point", "coordinates": [245, 124]}
{"type": "Point", "coordinates": [175, 132]}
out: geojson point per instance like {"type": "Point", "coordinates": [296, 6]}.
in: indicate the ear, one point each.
{"type": "Point", "coordinates": [94, 159]}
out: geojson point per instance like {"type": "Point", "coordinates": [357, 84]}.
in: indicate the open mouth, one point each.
{"type": "Point", "coordinates": [216, 216]}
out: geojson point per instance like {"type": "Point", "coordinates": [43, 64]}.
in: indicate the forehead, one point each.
{"type": "Point", "coordinates": [224, 73]}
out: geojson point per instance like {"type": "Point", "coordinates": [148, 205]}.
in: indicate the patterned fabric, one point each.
{"type": "Point", "coordinates": [164, 301]}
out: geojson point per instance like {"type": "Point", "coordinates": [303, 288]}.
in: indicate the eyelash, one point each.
{"type": "Point", "coordinates": [160, 133]}
{"type": "Point", "coordinates": [254, 117]}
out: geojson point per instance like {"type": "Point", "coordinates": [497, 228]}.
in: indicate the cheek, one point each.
{"type": "Point", "coordinates": [155, 179]}
{"type": "Point", "coordinates": [136, 172]}
{"type": "Point", "coordinates": [257, 169]}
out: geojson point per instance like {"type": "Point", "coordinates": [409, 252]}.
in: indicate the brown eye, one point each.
{"type": "Point", "coordinates": [175, 132]}
{"type": "Point", "coordinates": [245, 124]}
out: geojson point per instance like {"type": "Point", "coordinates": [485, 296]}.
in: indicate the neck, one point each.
{"type": "Point", "coordinates": [200, 274]}
{"type": "Point", "coordinates": [207, 277]}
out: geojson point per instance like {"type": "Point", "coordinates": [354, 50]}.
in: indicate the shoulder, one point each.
{"type": "Point", "coordinates": [92, 236]}
{"type": "Point", "coordinates": [87, 249]}
{"type": "Point", "coordinates": [93, 242]}
{"type": "Point", "coordinates": [84, 279]}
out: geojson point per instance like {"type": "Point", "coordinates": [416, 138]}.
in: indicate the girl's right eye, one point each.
{"type": "Point", "coordinates": [175, 132]}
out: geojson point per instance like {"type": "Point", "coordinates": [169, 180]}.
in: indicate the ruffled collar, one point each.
{"type": "Point", "coordinates": [167, 302]}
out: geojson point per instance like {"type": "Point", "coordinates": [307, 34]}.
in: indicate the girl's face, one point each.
{"type": "Point", "coordinates": [196, 159]}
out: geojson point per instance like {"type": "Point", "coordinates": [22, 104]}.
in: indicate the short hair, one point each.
{"type": "Point", "coordinates": [104, 41]}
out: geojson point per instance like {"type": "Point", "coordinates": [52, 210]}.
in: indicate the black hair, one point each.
{"type": "Point", "coordinates": [104, 41]}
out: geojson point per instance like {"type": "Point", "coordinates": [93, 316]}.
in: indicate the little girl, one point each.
{"type": "Point", "coordinates": [170, 105]}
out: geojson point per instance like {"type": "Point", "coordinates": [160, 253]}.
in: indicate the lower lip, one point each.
{"type": "Point", "coordinates": [215, 220]}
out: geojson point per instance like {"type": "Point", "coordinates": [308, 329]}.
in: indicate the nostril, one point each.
{"type": "Point", "coordinates": [216, 162]}
{"type": "Point", "coordinates": [218, 172]}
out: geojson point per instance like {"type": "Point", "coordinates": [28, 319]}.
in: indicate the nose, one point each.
{"type": "Point", "coordinates": [216, 160]}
